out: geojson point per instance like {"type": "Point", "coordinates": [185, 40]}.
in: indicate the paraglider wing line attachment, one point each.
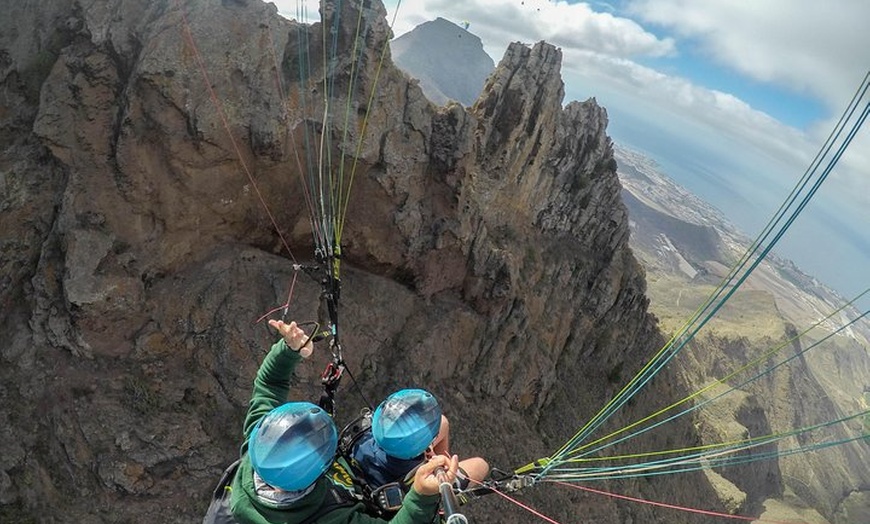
{"type": "Point", "coordinates": [500, 481]}
{"type": "Point", "coordinates": [327, 312]}
{"type": "Point", "coordinates": [309, 269]}
{"type": "Point", "coordinates": [313, 329]}
{"type": "Point", "coordinates": [330, 380]}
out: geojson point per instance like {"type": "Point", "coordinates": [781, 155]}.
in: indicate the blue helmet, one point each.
{"type": "Point", "coordinates": [406, 423]}
{"type": "Point", "coordinates": [293, 445]}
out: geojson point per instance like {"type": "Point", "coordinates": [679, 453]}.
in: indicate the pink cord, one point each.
{"type": "Point", "coordinates": [285, 305]}
{"type": "Point", "coordinates": [670, 506]}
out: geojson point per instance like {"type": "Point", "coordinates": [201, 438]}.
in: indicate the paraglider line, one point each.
{"type": "Point", "coordinates": [226, 125]}
{"type": "Point", "coordinates": [667, 352]}
{"type": "Point", "coordinates": [286, 305]}
{"type": "Point", "coordinates": [671, 506]}
{"type": "Point", "coordinates": [530, 509]}
{"type": "Point", "coordinates": [722, 381]}
{"type": "Point", "coordinates": [306, 192]}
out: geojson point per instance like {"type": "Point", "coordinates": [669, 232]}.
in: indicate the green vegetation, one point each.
{"type": "Point", "coordinates": [866, 405]}
{"type": "Point", "coordinates": [16, 512]}
{"type": "Point", "coordinates": [748, 313]}
{"type": "Point", "coordinates": [140, 397]}
{"type": "Point", "coordinates": [614, 376]}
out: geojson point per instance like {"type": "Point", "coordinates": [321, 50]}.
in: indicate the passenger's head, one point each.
{"type": "Point", "coordinates": [406, 423]}
{"type": "Point", "coordinates": [293, 445]}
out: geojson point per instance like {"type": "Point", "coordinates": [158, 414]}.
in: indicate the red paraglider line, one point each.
{"type": "Point", "coordinates": [673, 506]}
{"type": "Point", "coordinates": [285, 306]}
{"type": "Point", "coordinates": [517, 502]}
{"type": "Point", "coordinates": [306, 192]}
{"type": "Point", "coordinates": [226, 125]}
{"type": "Point", "coordinates": [525, 507]}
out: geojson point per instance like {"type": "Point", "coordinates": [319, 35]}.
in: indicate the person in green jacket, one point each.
{"type": "Point", "coordinates": [288, 472]}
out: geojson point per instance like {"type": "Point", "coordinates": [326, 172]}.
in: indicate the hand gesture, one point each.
{"type": "Point", "coordinates": [294, 337]}
{"type": "Point", "coordinates": [427, 479]}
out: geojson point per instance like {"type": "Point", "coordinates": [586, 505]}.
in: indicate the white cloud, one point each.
{"type": "Point", "coordinates": [576, 26]}
{"type": "Point", "coordinates": [304, 10]}
{"type": "Point", "coordinates": [808, 47]}
{"type": "Point", "coordinates": [721, 113]}
{"type": "Point", "coordinates": [803, 45]}
{"type": "Point", "coordinates": [730, 133]}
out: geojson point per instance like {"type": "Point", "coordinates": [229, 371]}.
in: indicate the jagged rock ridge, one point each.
{"type": "Point", "coordinates": [486, 255]}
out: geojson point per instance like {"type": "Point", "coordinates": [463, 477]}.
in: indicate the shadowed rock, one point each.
{"type": "Point", "coordinates": [485, 253]}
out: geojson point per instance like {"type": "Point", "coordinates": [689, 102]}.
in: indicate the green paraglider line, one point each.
{"type": "Point", "coordinates": [709, 457]}
{"type": "Point", "coordinates": [328, 214]}
{"type": "Point", "coordinates": [669, 351]}
{"type": "Point", "coordinates": [722, 381]}
{"type": "Point", "coordinates": [696, 407]}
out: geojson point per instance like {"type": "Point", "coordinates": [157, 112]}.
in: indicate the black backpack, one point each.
{"type": "Point", "coordinates": [219, 508]}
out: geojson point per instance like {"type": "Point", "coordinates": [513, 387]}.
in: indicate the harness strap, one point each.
{"type": "Point", "coordinates": [336, 497]}
{"type": "Point", "coordinates": [219, 509]}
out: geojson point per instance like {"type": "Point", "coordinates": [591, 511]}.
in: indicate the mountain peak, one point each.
{"type": "Point", "coordinates": [443, 28]}
{"type": "Point", "coordinates": [448, 60]}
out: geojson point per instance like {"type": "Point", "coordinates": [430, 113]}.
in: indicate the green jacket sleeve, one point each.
{"type": "Point", "coordinates": [272, 384]}
{"type": "Point", "coordinates": [416, 509]}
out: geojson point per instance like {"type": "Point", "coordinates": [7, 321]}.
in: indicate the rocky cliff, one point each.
{"type": "Point", "coordinates": [486, 254]}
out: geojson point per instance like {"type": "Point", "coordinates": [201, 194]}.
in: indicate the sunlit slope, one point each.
{"type": "Point", "coordinates": [787, 373]}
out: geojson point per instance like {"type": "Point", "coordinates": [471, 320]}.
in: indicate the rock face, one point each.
{"type": "Point", "coordinates": [485, 254]}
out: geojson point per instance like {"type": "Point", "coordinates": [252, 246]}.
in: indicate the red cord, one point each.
{"type": "Point", "coordinates": [226, 125]}
{"type": "Point", "coordinates": [285, 305]}
{"type": "Point", "coordinates": [671, 506]}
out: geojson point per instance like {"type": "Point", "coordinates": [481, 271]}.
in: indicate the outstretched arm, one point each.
{"type": "Point", "coordinates": [272, 383]}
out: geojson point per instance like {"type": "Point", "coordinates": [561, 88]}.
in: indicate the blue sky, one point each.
{"type": "Point", "coordinates": [791, 108]}
{"type": "Point", "coordinates": [732, 97]}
